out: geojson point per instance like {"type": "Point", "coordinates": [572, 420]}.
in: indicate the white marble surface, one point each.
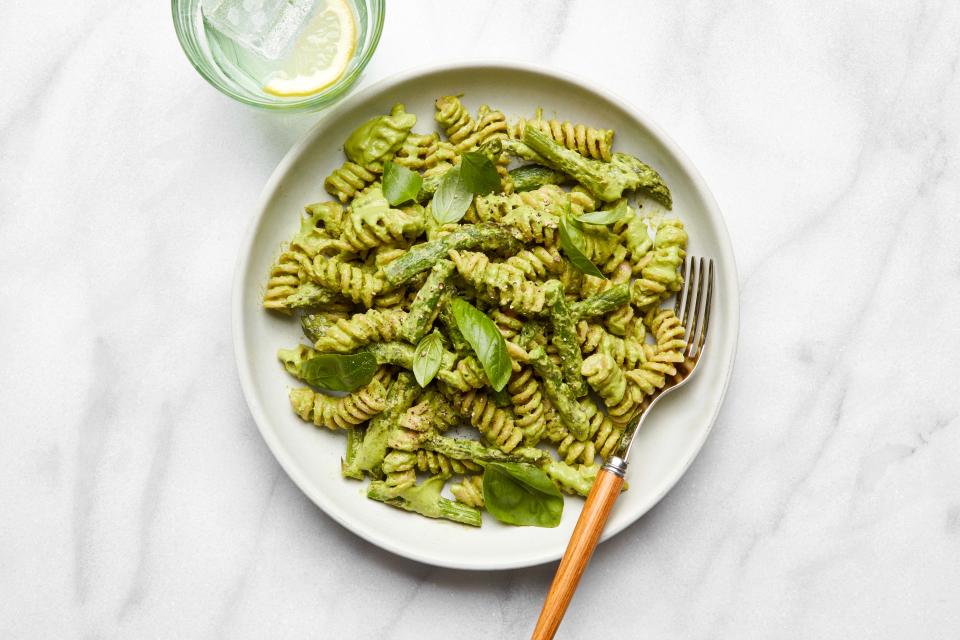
{"type": "Point", "coordinates": [138, 500]}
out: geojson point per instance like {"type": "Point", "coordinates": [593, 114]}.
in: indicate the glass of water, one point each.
{"type": "Point", "coordinates": [286, 55]}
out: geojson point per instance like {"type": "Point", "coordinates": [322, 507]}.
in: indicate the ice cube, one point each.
{"type": "Point", "coordinates": [266, 27]}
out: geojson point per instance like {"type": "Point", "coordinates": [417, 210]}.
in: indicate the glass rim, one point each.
{"type": "Point", "coordinates": [184, 25]}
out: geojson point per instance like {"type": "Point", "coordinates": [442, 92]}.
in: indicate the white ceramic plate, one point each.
{"type": "Point", "coordinates": [672, 435]}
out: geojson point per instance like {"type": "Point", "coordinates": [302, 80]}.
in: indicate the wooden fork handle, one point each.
{"type": "Point", "coordinates": [586, 535]}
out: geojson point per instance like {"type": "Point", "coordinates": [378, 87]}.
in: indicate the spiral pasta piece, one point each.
{"type": "Point", "coordinates": [506, 180]}
{"type": "Point", "coordinates": [604, 437]}
{"type": "Point", "coordinates": [659, 362]}
{"type": "Point", "coordinates": [424, 152]}
{"type": "Point", "coordinates": [572, 450]}
{"type": "Point", "coordinates": [424, 461]}
{"type": "Point", "coordinates": [652, 372]}
{"type": "Point", "coordinates": [603, 248]}
{"type": "Point", "coordinates": [339, 413]}
{"type": "Point", "coordinates": [491, 124]}
{"type": "Point", "coordinates": [633, 232]}
{"type": "Point", "coordinates": [572, 280]}
{"type": "Point", "coordinates": [671, 233]}
{"type": "Point", "coordinates": [456, 121]}
{"type": "Point", "coordinates": [538, 262]}
{"type": "Point", "coordinates": [543, 200]}
{"type": "Point", "coordinates": [397, 481]}
{"type": "Point", "coordinates": [591, 336]}
{"type": "Point", "coordinates": [496, 424]}
{"type": "Point", "coordinates": [396, 299]}
{"type": "Point", "coordinates": [348, 180]}
{"type": "Point", "coordinates": [629, 407]}
{"type": "Point", "coordinates": [621, 274]}
{"type": "Point", "coordinates": [620, 321]}
{"type": "Point", "coordinates": [375, 325]}
{"type": "Point", "coordinates": [385, 255]}
{"type": "Point", "coordinates": [575, 479]}
{"type": "Point", "coordinates": [431, 414]}
{"type": "Point", "coordinates": [550, 196]}
{"type": "Point", "coordinates": [469, 491]}
{"type": "Point", "coordinates": [327, 215]}
{"type": "Point", "coordinates": [668, 332]}
{"type": "Point", "coordinates": [287, 272]}
{"type": "Point", "coordinates": [501, 281]}
{"type": "Point", "coordinates": [578, 283]}
{"type": "Point", "coordinates": [350, 281]}
{"type": "Point", "coordinates": [528, 405]}
{"type": "Point", "coordinates": [371, 222]}
{"type": "Point", "coordinates": [626, 352]}
{"type": "Point", "coordinates": [508, 324]}
{"type": "Point", "coordinates": [605, 377]}
{"type": "Point", "coordinates": [659, 268]}
{"type": "Point", "coordinates": [465, 375]}
{"type": "Point", "coordinates": [592, 285]}
{"type": "Point", "coordinates": [659, 277]}
{"type": "Point", "coordinates": [532, 225]}
{"type": "Point", "coordinates": [670, 337]}
{"type": "Point", "coordinates": [492, 207]}
{"type": "Point", "coordinates": [555, 429]}
{"type": "Point", "coordinates": [587, 141]}
{"type": "Point", "coordinates": [283, 281]}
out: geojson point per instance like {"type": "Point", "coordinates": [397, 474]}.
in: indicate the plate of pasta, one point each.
{"type": "Point", "coordinates": [454, 295]}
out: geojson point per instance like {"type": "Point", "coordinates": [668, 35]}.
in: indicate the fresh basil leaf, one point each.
{"type": "Point", "coordinates": [521, 494]}
{"type": "Point", "coordinates": [486, 340]}
{"type": "Point", "coordinates": [478, 173]}
{"type": "Point", "coordinates": [571, 241]}
{"type": "Point", "coordinates": [427, 358]}
{"type": "Point", "coordinates": [400, 184]}
{"type": "Point", "coordinates": [605, 217]}
{"type": "Point", "coordinates": [338, 372]}
{"type": "Point", "coordinates": [452, 198]}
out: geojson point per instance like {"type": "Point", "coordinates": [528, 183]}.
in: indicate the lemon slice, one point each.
{"type": "Point", "coordinates": [320, 55]}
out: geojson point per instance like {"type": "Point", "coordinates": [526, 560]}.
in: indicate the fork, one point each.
{"type": "Point", "coordinates": [693, 304]}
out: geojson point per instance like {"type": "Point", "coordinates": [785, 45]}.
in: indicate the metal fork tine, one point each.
{"type": "Point", "coordinates": [706, 312]}
{"type": "Point", "coordinates": [679, 296]}
{"type": "Point", "coordinates": [688, 290]}
{"type": "Point", "coordinates": [697, 308]}
{"type": "Point", "coordinates": [690, 306]}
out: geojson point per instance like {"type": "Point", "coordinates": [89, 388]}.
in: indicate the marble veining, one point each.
{"type": "Point", "coordinates": [138, 499]}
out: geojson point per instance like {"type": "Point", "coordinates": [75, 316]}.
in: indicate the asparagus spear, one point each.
{"type": "Point", "coordinates": [534, 176]}
{"type": "Point", "coordinates": [461, 448]}
{"type": "Point", "coordinates": [354, 442]}
{"type": "Point", "coordinates": [570, 478]}
{"type": "Point", "coordinates": [460, 344]}
{"type": "Point", "coordinates": [425, 306]}
{"type": "Point", "coordinates": [560, 394]}
{"type": "Point", "coordinates": [310, 294]}
{"type": "Point", "coordinates": [518, 149]}
{"type": "Point", "coordinates": [605, 180]}
{"type": "Point", "coordinates": [315, 326]}
{"type": "Point", "coordinates": [602, 303]}
{"type": "Point", "coordinates": [397, 353]}
{"type": "Point", "coordinates": [423, 256]}
{"type": "Point", "coordinates": [426, 500]}
{"type": "Point", "coordinates": [565, 339]}
{"type": "Point", "coordinates": [369, 456]}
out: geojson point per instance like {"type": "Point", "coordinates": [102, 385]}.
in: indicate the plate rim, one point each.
{"type": "Point", "coordinates": [241, 266]}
